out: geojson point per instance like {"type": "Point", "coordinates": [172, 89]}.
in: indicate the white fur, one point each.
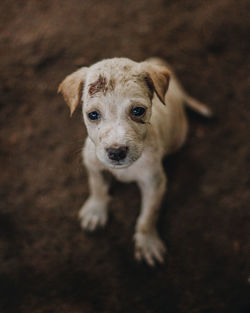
{"type": "Point", "coordinates": [164, 131]}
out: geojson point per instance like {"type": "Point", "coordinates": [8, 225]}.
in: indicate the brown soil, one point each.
{"type": "Point", "coordinates": [47, 263]}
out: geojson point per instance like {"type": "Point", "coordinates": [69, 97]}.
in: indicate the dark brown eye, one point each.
{"type": "Point", "coordinates": [138, 111]}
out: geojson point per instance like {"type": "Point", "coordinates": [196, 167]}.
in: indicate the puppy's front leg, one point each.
{"type": "Point", "coordinates": [94, 212]}
{"type": "Point", "coordinates": [148, 244]}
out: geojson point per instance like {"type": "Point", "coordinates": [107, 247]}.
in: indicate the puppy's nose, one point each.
{"type": "Point", "coordinates": [117, 154]}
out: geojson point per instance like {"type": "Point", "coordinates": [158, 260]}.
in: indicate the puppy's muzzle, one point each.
{"type": "Point", "coordinates": [117, 154]}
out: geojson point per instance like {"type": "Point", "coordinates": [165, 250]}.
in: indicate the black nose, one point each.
{"type": "Point", "coordinates": [117, 154]}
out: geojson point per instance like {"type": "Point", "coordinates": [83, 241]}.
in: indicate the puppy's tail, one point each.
{"type": "Point", "coordinates": [192, 103]}
{"type": "Point", "coordinates": [197, 106]}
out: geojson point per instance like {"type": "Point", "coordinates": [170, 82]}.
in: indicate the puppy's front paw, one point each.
{"type": "Point", "coordinates": [149, 247]}
{"type": "Point", "coordinates": [93, 215]}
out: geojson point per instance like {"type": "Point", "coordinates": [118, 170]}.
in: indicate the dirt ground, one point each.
{"type": "Point", "coordinates": [47, 263]}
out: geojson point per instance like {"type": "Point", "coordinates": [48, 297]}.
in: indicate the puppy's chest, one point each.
{"type": "Point", "coordinates": [125, 175]}
{"type": "Point", "coordinates": [140, 169]}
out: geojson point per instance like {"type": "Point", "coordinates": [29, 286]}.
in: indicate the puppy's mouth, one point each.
{"type": "Point", "coordinates": [119, 164]}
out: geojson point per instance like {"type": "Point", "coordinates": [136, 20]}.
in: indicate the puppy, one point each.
{"type": "Point", "coordinates": [134, 116]}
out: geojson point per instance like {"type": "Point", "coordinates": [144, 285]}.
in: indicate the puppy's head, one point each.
{"type": "Point", "coordinates": [116, 95]}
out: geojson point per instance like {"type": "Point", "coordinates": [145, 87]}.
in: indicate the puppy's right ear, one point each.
{"type": "Point", "coordinates": [71, 88]}
{"type": "Point", "coordinates": [157, 78]}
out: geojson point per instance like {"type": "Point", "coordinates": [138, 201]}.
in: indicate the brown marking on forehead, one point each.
{"type": "Point", "coordinates": [101, 85]}
{"type": "Point", "coordinates": [111, 85]}
{"type": "Point", "coordinates": [127, 68]}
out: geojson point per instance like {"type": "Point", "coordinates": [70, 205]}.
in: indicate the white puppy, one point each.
{"type": "Point", "coordinates": [132, 123]}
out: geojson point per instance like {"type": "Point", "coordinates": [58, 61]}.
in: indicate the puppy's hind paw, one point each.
{"type": "Point", "coordinates": [150, 248]}
{"type": "Point", "coordinates": [93, 215]}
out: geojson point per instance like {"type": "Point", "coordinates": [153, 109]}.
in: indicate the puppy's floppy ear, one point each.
{"type": "Point", "coordinates": [157, 78]}
{"type": "Point", "coordinates": [71, 88]}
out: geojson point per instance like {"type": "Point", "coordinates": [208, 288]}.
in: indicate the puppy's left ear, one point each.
{"type": "Point", "coordinates": [157, 79]}
{"type": "Point", "coordinates": [71, 88]}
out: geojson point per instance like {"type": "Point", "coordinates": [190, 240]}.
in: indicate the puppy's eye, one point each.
{"type": "Point", "coordinates": [95, 115]}
{"type": "Point", "coordinates": [138, 111]}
